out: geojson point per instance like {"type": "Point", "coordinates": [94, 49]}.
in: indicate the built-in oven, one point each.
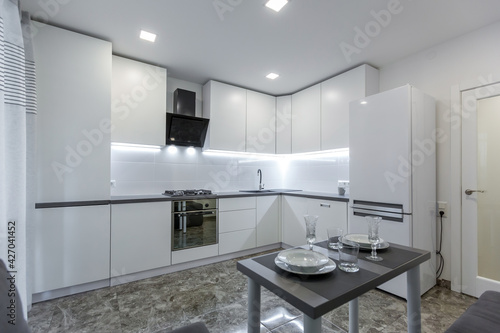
{"type": "Point", "coordinates": [194, 223]}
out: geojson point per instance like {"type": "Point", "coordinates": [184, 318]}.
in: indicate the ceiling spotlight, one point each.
{"type": "Point", "coordinates": [272, 76]}
{"type": "Point", "coordinates": [276, 5]}
{"type": "Point", "coordinates": [150, 37]}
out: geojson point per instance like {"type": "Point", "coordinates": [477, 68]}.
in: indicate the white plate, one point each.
{"type": "Point", "coordinates": [302, 260]}
{"type": "Point", "coordinates": [329, 267]}
{"type": "Point", "coordinates": [361, 239]}
{"type": "Point", "coordinates": [363, 242]}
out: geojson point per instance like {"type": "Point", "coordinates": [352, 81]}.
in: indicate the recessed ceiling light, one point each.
{"type": "Point", "coordinates": [272, 76]}
{"type": "Point", "coordinates": [150, 37]}
{"type": "Point", "coordinates": [276, 5]}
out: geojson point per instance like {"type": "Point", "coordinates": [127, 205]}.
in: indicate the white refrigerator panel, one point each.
{"type": "Point", "coordinates": [379, 148]}
{"type": "Point", "coordinates": [390, 231]}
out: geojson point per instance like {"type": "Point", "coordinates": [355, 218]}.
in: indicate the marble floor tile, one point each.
{"type": "Point", "coordinates": [216, 294]}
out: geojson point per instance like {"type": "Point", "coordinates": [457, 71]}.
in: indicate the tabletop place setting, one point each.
{"type": "Point", "coordinates": [304, 261]}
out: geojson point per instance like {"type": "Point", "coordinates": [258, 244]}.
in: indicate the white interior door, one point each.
{"type": "Point", "coordinates": [480, 172]}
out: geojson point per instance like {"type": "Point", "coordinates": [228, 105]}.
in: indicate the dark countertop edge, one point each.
{"type": "Point", "coordinates": [318, 195]}
{"type": "Point", "coordinates": [72, 204]}
{"type": "Point", "coordinates": [125, 199]}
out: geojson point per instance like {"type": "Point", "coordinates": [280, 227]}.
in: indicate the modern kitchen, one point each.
{"type": "Point", "coordinates": [170, 174]}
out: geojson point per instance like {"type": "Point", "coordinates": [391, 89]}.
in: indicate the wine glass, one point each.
{"type": "Point", "coordinates": [373, 238]}
{"type": "Point", "coordinates": [310, 229]}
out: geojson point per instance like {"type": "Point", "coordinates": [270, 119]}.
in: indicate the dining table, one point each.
{"type": "Point", "coordinates": [317, 294]}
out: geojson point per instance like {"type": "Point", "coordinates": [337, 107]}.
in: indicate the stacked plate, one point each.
{"type": "Point", "coordinates": [364, 243]}
{"type": "Point", "coordinates": [306, 262]}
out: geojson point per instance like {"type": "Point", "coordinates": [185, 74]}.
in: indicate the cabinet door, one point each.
{"type": "Point", "coordinates": [140, 237]}
{"type": "Point", "coordinates": [294, 228]}
{"type": "Point", "coordinates": [138, 102]}
{"type": "Point", "coordinates": [71, 246]}
{"type": "Point", "coordinates": [73, 74]}
{"type": "Point", "coordinates": [268, 217]}
{"type": "Point", "coordinates": [332, 214]}
{"type": "Point", "coordinates": [261, 123]}
{"type": "Point", "coordinates": [336, 94]}
{"type": "Point", "coordinates": [284, 124]}
{"type": "Point", "coordinates": [306, 120]}
{"type": "Point", "coordinates": [225, 106]}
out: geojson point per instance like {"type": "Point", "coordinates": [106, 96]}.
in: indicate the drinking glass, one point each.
{"type": "Point", "coordinates": [334, 235]}
{"type": "Point", "coordinates": [373, 238]}
{"type": "Point", "coordinates": [348, 255]}
{"type": "Point", "coordinates": [311, 229]}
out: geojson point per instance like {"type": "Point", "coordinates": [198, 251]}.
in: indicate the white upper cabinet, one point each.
{"type": "Point", "coordinates": [138, 102]}
{"type": "Point", "coordinates": [336, 93]}
{"type": "Point", "coordinates": [306, 117]}
{"type": "Point", "coordinates": [284, 124]}
{"type": "Point", "coordinates": [261, 123]}
{"type": "Point", "coordinates": [73, 74]}
{"type": "Point", "coordinates": [225, 106]}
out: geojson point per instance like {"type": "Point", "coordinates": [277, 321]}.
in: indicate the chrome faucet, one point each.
{"type": "Point", "coordinates": [261, 186]}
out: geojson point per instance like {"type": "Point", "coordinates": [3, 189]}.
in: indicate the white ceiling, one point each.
{"type": "Point", "coordinates": [241, 41]}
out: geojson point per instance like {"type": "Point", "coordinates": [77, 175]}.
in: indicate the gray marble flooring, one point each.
{"type": "Point", "coordinates": [217, 295]}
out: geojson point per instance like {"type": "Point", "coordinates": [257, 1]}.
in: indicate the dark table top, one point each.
{"type": "Point", "coordinates": [316, 295]}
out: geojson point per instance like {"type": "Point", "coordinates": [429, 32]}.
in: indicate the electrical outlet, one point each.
{"type": "Point", "coordinates": [442, 206]}
{"type": "Point", "coordinates": [343, 183]}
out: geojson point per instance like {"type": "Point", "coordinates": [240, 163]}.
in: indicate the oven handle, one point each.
{"type": "Point", "coordinates": [196, 212]}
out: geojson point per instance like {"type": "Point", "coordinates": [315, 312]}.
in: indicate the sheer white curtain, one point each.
{"type": "Point", "coordinates": [17, 132]}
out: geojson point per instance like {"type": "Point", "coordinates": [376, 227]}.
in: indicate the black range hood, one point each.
{"type": "Point", "coordinates": [183, 128]}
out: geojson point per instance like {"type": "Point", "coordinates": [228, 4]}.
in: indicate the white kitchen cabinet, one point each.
{"type": "Point", "coordinates": [225, 106]}
{"type": "Point", "coordinates": [261, 123]}
{"type": "Point", "coordinates": [306, 119]}
{"type": "Point", "coordinates": [294, 228]}
{"type": "Point", "coordinates": [71, 246]}
{"type": "Point", "coordinates": [140, 237]}
{"type": "Point", "coordinates": [284, 124]}
{"type": "Point", "coordinates": [73, 74]}
{"type": "Point", "coordinates": [336, 93]}
{"type": "Point", "coordinates": [330, 214]}
{"type": "Point", "coordinates": [138, 102]}
{"type": "Point", "coordinates": [268, 220]}
{"type": "Point", "coordinates": [237, 224]}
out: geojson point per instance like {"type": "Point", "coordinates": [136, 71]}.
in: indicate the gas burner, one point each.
{"type": "Point", "coordinates": [178, 193]}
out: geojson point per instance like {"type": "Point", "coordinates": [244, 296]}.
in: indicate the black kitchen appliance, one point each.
{"type": "Point", "coordinates": [183, 127]}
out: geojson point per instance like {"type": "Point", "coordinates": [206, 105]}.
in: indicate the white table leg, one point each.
{"type": "Point", "coordinates": [253, 306]}
{"type": "Point", "coordinates": [312, 325]}
{"type": "Point", "coordinates": [413, 301]}
{"type": "Point", "coordinates": [353, 316]}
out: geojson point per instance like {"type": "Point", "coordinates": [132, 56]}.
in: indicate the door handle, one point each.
{"type": "Point", "coordinates": [469, 192]}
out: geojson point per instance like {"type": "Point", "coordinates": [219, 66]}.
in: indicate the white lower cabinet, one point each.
{"type": "Point", "coordinates": [294, 228]}
{"type": "Point", "coordinates": [71, 246]}
{"type": "Point", "coordinates": [330, 214]}
{"type": "Point", "coordinates": [237, 224]}
{"type": "Point", "coordinates": [140, 237]}
{"type": "Point", "coordinates": [268, 220]}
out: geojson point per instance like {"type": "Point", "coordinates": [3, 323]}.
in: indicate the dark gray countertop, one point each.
{"type": "Point", "coordinates": [137, 198]}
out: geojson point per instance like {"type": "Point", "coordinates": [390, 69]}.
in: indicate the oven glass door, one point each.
{"type": "Point", "coordinates": [194, 228]}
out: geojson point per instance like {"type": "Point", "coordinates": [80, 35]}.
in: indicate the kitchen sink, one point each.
{"type": "Point", "coordinates": [257, 191]}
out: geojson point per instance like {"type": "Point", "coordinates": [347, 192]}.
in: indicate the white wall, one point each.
{"type": "Point", "coordinates": [152, 171]}
{"type": "Point", "coordinates": [467, 58]}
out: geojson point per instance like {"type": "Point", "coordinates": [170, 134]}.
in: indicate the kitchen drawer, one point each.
{"type": "Point", "coordinates": [237, 203]}
{"type": "Point", "coordinates": [237, 220]}
{"type": "Point", "coordinates": [237, 241]}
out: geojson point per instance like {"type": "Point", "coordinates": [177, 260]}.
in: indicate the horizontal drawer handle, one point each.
{"type": "Point", "coordinates": [324, 205]}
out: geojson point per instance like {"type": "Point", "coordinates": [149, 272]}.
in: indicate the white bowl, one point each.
{"type": "Point", "coordinates": [302, 260]}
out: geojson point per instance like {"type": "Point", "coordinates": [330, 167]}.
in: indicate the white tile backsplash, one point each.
{"type": "Point", "coordinates": [151, 172]}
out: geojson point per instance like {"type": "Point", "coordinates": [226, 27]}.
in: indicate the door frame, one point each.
{"type": "Point", "coordinates": [454, 117]}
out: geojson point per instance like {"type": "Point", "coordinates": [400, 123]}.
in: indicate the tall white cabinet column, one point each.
{"type": "Point", "coordinates": [72, 226]}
